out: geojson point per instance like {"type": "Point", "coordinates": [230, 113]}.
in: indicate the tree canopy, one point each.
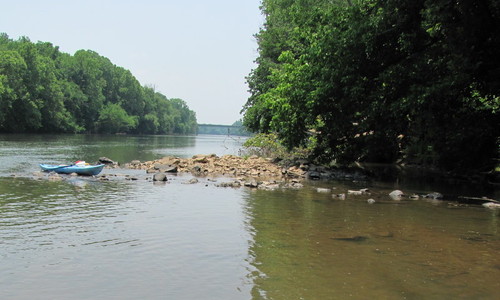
{"type": "Point", "coordinates": [373, 80]}
{"type": "Point", "coordinates": [45, 90]}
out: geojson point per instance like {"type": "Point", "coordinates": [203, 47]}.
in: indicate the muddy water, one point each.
{"type": "Point", "coordinates": [81, 238]}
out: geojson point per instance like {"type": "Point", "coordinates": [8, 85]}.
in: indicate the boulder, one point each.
{"type": "Point", "coordinates": [160, 177]}
{"type": "Point", "coordinates": [396, 194]}
{"type": "Point", "coordinates": [162, 168]}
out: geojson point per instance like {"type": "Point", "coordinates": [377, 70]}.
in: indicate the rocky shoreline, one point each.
{"type": "Point", "coordinates": [236, 166]}
{"type": "Point", "coordinates": [257, 172]}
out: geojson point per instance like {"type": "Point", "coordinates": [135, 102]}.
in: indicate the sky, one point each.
{"type": "Point", "coordinates": [197, 50]}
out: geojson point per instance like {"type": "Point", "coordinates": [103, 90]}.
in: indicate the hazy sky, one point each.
{"type": "Point", "coordinates": [196, 50]}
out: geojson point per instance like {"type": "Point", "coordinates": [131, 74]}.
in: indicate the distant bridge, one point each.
{"type": "Point", "coordinates": [221, 129]}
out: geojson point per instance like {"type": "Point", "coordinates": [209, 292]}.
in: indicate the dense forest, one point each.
{"type": "Point", "coordinates": [381, 80]}
{"type": "Point", "coordinates": [45, 90]}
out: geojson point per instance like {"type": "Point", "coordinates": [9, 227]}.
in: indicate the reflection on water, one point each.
{"type": "Point", "coordinates": [82, 238]}
{"type": "Point", "coordinates": [308, 246]}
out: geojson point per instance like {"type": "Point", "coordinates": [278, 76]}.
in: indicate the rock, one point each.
{"type": "Point", "coordinates": [160, 177]}
{"type": "Point", "coordinates": [192, 181]}
{"type": "Point", "coordinates": [54, 177]}
{"type": "Point", "coordinates": [304, 167]}
{"type": "Point", "coordinates": [251, 183]}
{"type": "Point", "coordinates": [314, 175]}
{"type": "Point", "coordinates": [293, 185]}
{"type": "Point", "coordinates": [171, 169]}
{"type": "Point", "coordinates": [197, 171]}
{"type": "Point", "coordinates": [295, 172]}
{"type": "Point", "coordinates": [107, 161]}
{"type": "Point", "coordinates": [233, 184]}
{"type": "Point", "coordinates": [370, 201]}
{"type": "Point", "coordinates": [355, 193]}
{"type": "Point", "coordinates": [434, 195]}
{"type": "Point", "coordinates": [396, 194]}
{"type": "Point", "coordinates": [165, 168]}
{"type": "Point", "coordinates": [200, 158]}
{"type": "Point", "coordinates": [135, 162]}
{"type": "Point", "coordinates": [339, 196]}
{"type": "Point", "coordinates": [269, 185]}
{"type": "Point", "coordinates": [491, 205]}
{"type": "Point", "coordinates": [323, 190]}
{"type": "Point", "coordinates": [475, 200]}
{"type": "Point", "coordinates": [356, 238]}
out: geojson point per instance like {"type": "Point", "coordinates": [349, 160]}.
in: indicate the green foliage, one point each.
{"type": "Point", "coordinates": [265, 145]}
{"type": "Point", "coordinates": [380, 80]}
{"type": "Point", "coordinates": [269, 145]}
{"type": "Point", "coordinates": [113, 118]}
{"type": "Point", "coordinates": [44, 90]}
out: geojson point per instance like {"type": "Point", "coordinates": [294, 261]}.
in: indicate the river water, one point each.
{"type": "Point", "coordinates": [82, 238]}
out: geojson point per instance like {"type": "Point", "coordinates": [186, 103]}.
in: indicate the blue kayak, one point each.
{"type": "Point", "coordinates": [88, 170]}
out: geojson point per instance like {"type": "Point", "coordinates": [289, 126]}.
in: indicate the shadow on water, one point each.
{"type": "Point", "coordinates": [418, 179]}
{"type": "Point", "coordinates": [307, 245]}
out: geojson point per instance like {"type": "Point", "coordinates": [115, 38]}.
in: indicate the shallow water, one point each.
{"type": "Point", "coordinates": [87, 239]}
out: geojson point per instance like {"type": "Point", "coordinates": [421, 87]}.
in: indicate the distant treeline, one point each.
{"type": "Point", "coordinates": [45, 90]}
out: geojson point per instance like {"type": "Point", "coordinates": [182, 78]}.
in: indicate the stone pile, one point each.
{"type": "Point", "coordinates": [227, 165]}
{"type": "Point", "coordinates": [236, 166]}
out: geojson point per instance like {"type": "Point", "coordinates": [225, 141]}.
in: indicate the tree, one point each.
{"type": "Point", "coordinates": [380, 80]}
{"type": "Point", "coordinates": [113, 118]}
{"type": "Point", "coordinates": [45, 90]}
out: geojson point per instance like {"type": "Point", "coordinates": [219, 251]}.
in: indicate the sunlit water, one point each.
{"type": "Point", "coordinates": [87, 239]}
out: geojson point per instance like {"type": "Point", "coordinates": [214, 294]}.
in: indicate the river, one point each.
{"type": "Point", "coordinates": [82, 238]}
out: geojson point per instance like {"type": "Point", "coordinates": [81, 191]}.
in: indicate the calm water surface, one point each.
{"type": "Point", "coordinates": [87, 239]}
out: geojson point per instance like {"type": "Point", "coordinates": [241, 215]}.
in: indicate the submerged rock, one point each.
{"type": "Point", "coordinates": [54, 177]}
{"type": "Point", "coordinates": [357, 238]}
{"type": "Point", "coordinates": [339, 196]}
{"type": "Point", "coordinates": [434, 195]}
{"type": "Point", "coordinates": [192, 181]}
{"type": "Point", "coordinates": [491, 205]}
